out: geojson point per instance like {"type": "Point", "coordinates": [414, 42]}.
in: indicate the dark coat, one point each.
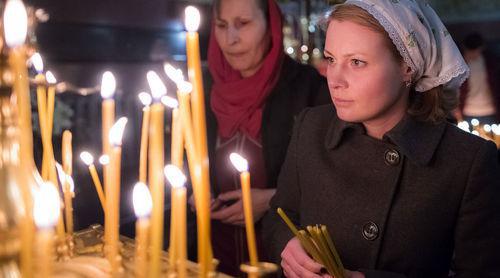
{"type": "Point", "coordinates": [298, 87]}
{"type": "Point", "coordinates": [398, 207]}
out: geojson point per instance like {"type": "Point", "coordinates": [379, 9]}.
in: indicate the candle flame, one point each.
{"type": "Point", "coordinates": [474, 122]}
{"type": "Point", "coordinates": [174, 176]}
{"type": "Point", "coordinates": [61, 174]}
{"type": "Point", "coordinates": [240, 163]}
{"type": "Point", "coordinates": [87, 158]}
{"type": "Point", "coordinates": [174, 74]}
{"type": "Point", "coordinates": [464, 125]}
{"type": "Point", "coordinates": [15, 23]}
{"type": "Point", "coordinates": [487, 128]}
{"type": "Point", "coordinates": [158, 89]}
{"type": "Point", "coordinates": [37, 62]}
{"type": "Point", "coordinates": [475, 132]}
{"type": "Point", "coordinates": [145, 98]}
{"type": "Point", "coordinates": [104, 159]}
{"type": "Point", "coordinates": [108, 85]}
{"type": "Point", "coordinates": [192, 18]}
{"type": "Point", "coordinates": [71, 183]}
{"type": "Point", "coordinates": [116, 132]}
{"type": "Point", "coordinates": [185, 87]}
{"type": "Point", "coordinates": [170, 102]}
{"type": "Point", "coordinates": [46, 207]}
{"type": "Point", "coordinates": [50, 77]}
{"type": "Point", "coordinates": [141, 198]}
{"type": "Point", "coordinates": [496, 129]}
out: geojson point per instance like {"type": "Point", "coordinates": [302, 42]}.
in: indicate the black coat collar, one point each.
{"type": "Point", "coordinates": [416, 140]}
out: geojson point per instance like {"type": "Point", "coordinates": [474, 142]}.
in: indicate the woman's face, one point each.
{"type": "Point", "coordinates": [241, 32]}
{"type": "Point", "coordinates": [366, 81]}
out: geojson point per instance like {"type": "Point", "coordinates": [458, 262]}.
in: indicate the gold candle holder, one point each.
{"type": "Point", "coordinates": [262, 269]}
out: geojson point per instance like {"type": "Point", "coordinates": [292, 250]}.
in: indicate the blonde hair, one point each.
{"type": "Point", "coordinates": [433, 105]}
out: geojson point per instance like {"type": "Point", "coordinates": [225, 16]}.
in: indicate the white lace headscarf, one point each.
{"type": "Point", "coordinates": [422, 40]}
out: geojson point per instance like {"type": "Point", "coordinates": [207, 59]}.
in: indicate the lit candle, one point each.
{"type": "Point", "coordinates": [104, 160]}
{"type": "Point", "coordinates": [36, 61]}
{"type": "Point", "coordinates": [68, 205]}
{"type": "Point", "coordinates": [48, 163]}
{"type": "Point", "coordinates": [108, 86]}
{"type": "Point", "coordinates": [192, 22]}
{"type": "Point", "coordinates": [241, 165]}
{"type": "Point", "coordinates": [46, 213]}
{"type": "Point", "coordinates": [112, 214]}
{"type": "Point", "coordinates": [145, 99]}
{"type": "Point", "coordinates": [142, 206]}
{"type": "Point", "coordinates": [155, 176]}
{"type": "Point", "coordinates": [176, 146]}
{"type": "Point", "coordinates": [195, 170]}
{"type": "Point", "coordinates": [51, 93]}
{"type": "Point", "coordinates": [88, 159]}
{"type": "Point", "coordinates": [195, 77]}
{"type": "Point", "coordinates": [496, 134]}
{"type": "Point", "coordinates": [177, 179]}
{"type": "Point", "coordinates": [15, 23]}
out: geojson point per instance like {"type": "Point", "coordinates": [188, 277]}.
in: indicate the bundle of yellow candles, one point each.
{"type": "Point", "coordinates": [317, 242]}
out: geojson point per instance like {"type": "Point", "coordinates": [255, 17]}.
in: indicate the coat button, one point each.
{"type": "Point", "coordinates": [370, 231]}
{"type": "Point", "coordinates": [391, 157]}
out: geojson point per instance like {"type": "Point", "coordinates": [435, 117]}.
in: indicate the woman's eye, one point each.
{"type": "Point", "coordinates": [220, 25]}
{"type": "Point", "coordinates": [358, 63]}
{"type": "Point", "coordinates": [330, 60]}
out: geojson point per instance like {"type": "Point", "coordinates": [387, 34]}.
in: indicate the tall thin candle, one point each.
{"type": "Point", "coordinates": [156, 164]}
{"type": "Point", "coordinates": [145, 99]}
{"type": "Point", "coordinates": [112, 215]}
{"type": "Point", "coordinates": [88, 159]}
{"type": "Point", "coordinates": [241, 165]}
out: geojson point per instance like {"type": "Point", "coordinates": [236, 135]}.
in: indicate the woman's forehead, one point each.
{"type": "Point", "coordinates": [350, 35]}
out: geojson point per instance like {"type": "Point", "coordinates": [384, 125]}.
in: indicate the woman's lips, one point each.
{"type": "Point", "coordinates": [341, 102]}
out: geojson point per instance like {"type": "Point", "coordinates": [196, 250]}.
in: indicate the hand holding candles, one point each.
{"type": "Point", "coordinates": [46, 214]}
{"type": "Point", "coordinates": [178, 243]}
{"type": "Point", "coordinates": [88, 159]}
{"type": "Point", "coordinates": [241, 165]}
{"type": "Point", "coordinates": [142, 206]}
{"type": "Point", "coordinates": [112, 215]}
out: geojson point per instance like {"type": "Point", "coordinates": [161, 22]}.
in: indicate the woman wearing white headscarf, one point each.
{"type": "Point", "coordinates": [402, 192]}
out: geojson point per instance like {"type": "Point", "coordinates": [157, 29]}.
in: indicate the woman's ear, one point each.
{"type": "Point", "coordinates": [407, 73]}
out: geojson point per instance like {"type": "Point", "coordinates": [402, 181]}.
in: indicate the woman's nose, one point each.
{"type": "Point", "coordinates": [336, 78]}
{"type": "Point", "coordinates": [232, 35]}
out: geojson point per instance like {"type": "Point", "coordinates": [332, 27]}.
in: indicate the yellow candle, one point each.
{"type": "Point", "coordinates": [15, 23]}
{"type": "Point", "coordinates": [177, 180]}
{"type": "Point", "coordinates": [88, 159]}
{"type": "Point", "coordinates": [177, 149]}
{"type": "Point", "coordinates": [46, 212]}
{"type": "Point", "coordinates": [108, 86]}
{"type": "Point", "coordinates": [192, 16]}
{"type": "Point", "coordinates": [112, 215]}
{"type": "Point", "coordinates": [51, 93]}
{"type": "Point", "coordinates": [143, 156]}
{"type": "Point", "coordinates": [67, 153]}
{"type": "Point", "coordinates": [42, 120]}
{"type": "Point", "coordinates": [142, 205]}
{"type": "Point", "coordinates": [156, 179]}
{"type": "Point", "coordinates": [67, 192]}
{"type": "Point", "coordinates": [241, 165]}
